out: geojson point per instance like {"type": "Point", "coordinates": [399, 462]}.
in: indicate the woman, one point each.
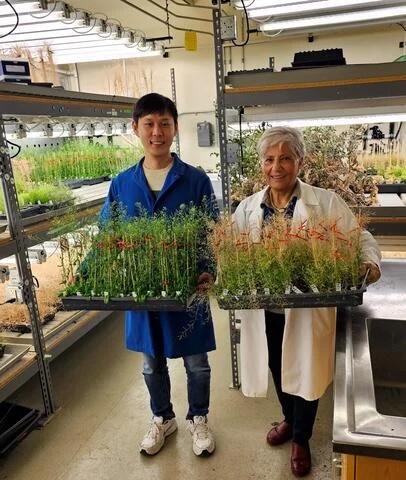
{"type": "Point", "coordinates": [299, 343]}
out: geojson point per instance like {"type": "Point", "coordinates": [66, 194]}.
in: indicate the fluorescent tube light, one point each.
{"type": "Point", "coordinates": [111, 54]}
{"type": "Point", "coordinates": [83, 47]}
{"type": "Point", "coordinates": [353, 17]}
{"type": "Point", "coordinates": [50, 34]}
{"type": "Point", "coordinates": [304, 7]}
{"type": "Point", "coordinates": [73, 39]}
{"type": "Point", "coordinates": [324, 122]}
{"type": "Point", "coordinates": [26, 21]}
{"type": "Point", "coordinates": [21, 8]}
{"type": "Point", "coordinates": [265, 3]}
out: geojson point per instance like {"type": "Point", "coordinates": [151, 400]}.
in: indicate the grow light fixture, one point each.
{"type": "Point", "coordinates": [98, 55]}
{"type": "Point", "coordinates": [27, 21]}
{"type": "Point", "coordinates": [21, 8]}
{"type": "Point", "coordinates": [72, 36]}
{"type": "Point", "coordinates": [94, 28]}
{"type": "Point", "coordinates": [323, 122]}
{"type": "Point", "coordinates": [265, 9]}
{"type": "Point", "coordinates": [378, 15]}
{"type": "Point", "coordinates": [59, 41]}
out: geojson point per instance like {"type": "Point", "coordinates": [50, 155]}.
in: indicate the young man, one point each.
{"type": "Point", "coordinates": [161, 181]}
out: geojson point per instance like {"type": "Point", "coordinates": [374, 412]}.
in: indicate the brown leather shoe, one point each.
{"type": "Point", "coordinates": [300, 460]}
{"type": "Point", "coordinates": [279, 434]}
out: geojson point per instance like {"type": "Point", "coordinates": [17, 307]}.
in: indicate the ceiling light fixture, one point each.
{"type": "Point", "coordinates": [51, 42]}
{"type": "Point", "coordinates": [377, 15]}
{"type": "Point", "coordinates": [301, 8]}
{"type": "Point", "coordinates": [323, 122]}
{"type": "Point", "coordinates": [109, 54]}
{"type": "Point", "coordinates": [21, 8]}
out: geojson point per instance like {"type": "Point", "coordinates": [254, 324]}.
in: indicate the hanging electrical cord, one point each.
{"type": "Point", "coordinates": [14, 145]}
{"type": "Point", "coordinates": [41, 17]}
{"type": "Point", "coordinates": [17, 20]}
{"type": "Point", "coordinates": [181, 16]}
{"type": "Point", "coordinates": [398, 131]}
{"type": "Point", "coordinates": [401, 25]}
{"type": "Point", "coordinates": [248, 28]}
{"type": "Point", "coordinates": [162, 21]}
{"type": "Point", "coordinates": [186, 4]}
{"type": "Point", "coordinates": [248, 6]}
{"type": "Point", "coordinates": [91, 27]}
{"type": "Point", "coordinates": [167, 20]}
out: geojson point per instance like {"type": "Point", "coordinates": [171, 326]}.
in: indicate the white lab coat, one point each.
{"type": "Point", "coordinates": [308, 344]}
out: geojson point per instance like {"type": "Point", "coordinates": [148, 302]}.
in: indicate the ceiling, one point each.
{"type": "Point", "coordinates": [150, 16]}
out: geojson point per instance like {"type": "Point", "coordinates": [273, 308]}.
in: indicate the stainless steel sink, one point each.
{"type": "Point", "coordinates": [370, 379]}
{"type": "Point", "coordinates": [387, 349]}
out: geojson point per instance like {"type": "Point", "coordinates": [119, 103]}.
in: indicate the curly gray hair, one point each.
{"type": "Point", "coordinates": [275, 135]}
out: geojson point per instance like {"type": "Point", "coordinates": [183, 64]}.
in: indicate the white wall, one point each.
{"type": "Point", "coordinates": [195, 74]}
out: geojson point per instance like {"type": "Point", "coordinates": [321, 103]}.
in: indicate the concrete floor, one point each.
{"type": "Point", "coordinates": [105, 411]}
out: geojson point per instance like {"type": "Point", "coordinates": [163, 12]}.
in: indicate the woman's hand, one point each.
{"type": "Point", "coordinates": [374, 274]}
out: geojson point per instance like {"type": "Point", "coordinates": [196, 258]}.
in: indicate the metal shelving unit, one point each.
{"type": "Point", "coordinates": [18, 101]}
{"type": "Point", "coordinates": [338, 91]}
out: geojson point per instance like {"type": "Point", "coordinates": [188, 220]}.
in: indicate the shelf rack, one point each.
{"type": "Point", "coordinates": [338, 91]}
{"type": "Point", "coordinates": [44, 103]}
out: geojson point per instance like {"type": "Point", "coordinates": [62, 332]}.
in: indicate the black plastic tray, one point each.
{"type": "Point", "coordinates": [16, 422]}
{"type": "Point", "coordinates": [392, 188]}
{"type": "Point", "coordinates": [123, 303]}
{"type": "Point", "coordinates": [73, 183]}
{"type": "Point", "coordinates": [349, 298]}
{"type": "Point", "coordinates": [93, 181]}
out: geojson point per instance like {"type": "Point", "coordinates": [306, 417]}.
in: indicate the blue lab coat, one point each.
{"type": "Point", "coordinates": [171, 334]}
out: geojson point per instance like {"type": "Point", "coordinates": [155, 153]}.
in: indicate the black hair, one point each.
{"type": "Point", "coordinates": [154, 103]}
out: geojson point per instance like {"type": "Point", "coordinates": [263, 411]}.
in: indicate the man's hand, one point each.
{"type": "Point", "coordinates": [374, 274]}
{"type": "Point", "coordinates": [204, 282]}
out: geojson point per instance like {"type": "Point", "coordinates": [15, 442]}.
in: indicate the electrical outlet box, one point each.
{"type": "Point", "coordinates": [204, 134]}
{"type": "Point", "coordinates": [232, 152]}
{"type": "Point", "coordinates": [37, 255]}
{"type": "Point", "coordinates": [48, 130]}
{"type": "Point", "coordinates": [4, 273]}
{"type": "Point", "coordinates": [228, 28]}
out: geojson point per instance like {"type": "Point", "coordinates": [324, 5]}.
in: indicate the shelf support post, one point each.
{"type": "Point", "coordinates": [225, 178]}
{"type": "Point", "coordinates": [24, 269]}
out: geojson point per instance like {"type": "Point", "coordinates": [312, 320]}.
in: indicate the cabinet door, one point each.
{"type": "Point", "coordinates": [370, 468]}
{"type": "Point", "coordinates": [348, 467]}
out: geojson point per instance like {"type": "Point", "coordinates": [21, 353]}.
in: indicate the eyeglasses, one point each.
{"type": "Point", "coordinates": [283, 160]}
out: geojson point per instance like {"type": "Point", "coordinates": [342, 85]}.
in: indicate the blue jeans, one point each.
{"type": "Point", "coordinates": [157, 379]}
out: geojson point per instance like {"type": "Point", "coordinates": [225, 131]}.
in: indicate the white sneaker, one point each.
{"type": "Point", "coordinates": [154, 439]}
{"type": "Point", "coordinates": [203, 439]}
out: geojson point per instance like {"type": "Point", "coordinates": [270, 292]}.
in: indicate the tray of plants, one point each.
{"type": "Point", "coordinates": [122, 303]}
{"type": "Point", "coordinates": [146, 263]}
{"type": "Point", "coordinates": [295, 300]}
{"type": "Point", "coordinates": [312, 265]}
